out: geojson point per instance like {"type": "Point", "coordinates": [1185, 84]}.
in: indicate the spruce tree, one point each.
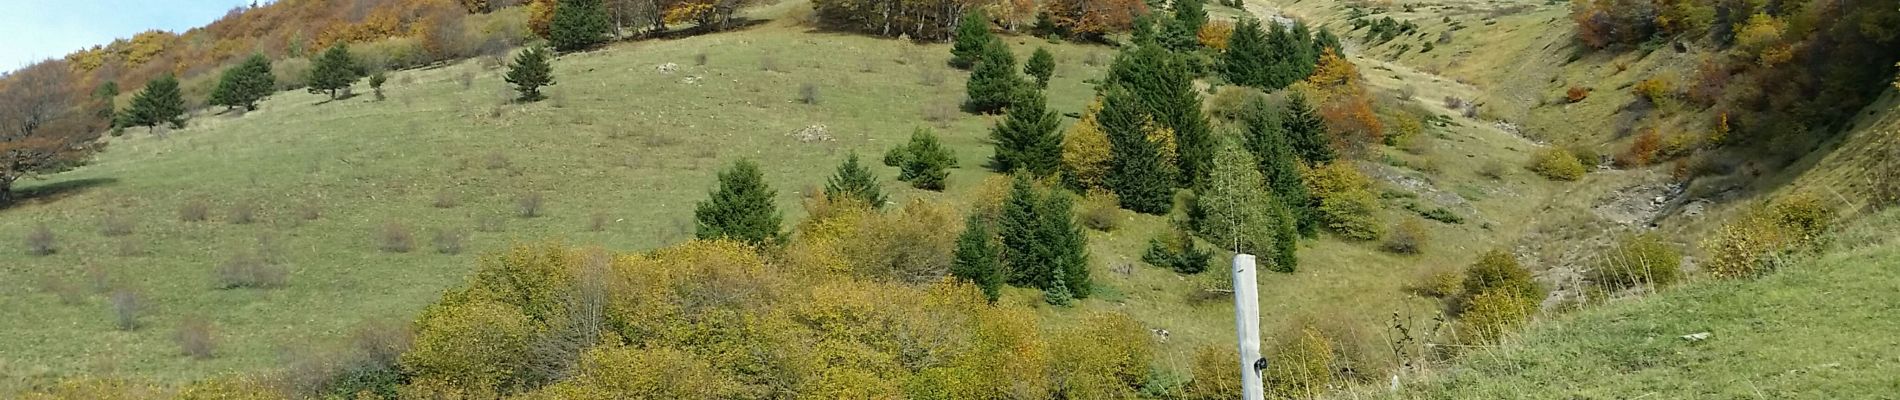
{"type": "Point", "coordinates": [1283, 59]}
{"type": "Point", "coordinates": [376, 81]}
{"type": "Point", "coordinates": [1028, 139]}
{"type": "Point", "coordinates": [334, 71]}
{"type": "Point", "coordinates": [1325, 40]}
{"type": "Point", "coordinates": [1041, 65]}
{"type": "Point", "coordinates": [1308, 60]}
{"type": "Point", "coordinates": [1286, 238]}
{"type": "Point", "coordinates": [1019, 230]}
{"type": "Point", "coordinates": [1182, 31]}
{"type": "Point", "coordinates": [578, 25]}
{"type": "Point", "coordinates": [1306, 132]}
{"type": "Point", "coordinates": [973, 39]}
{"type": "Point", "coordinates": [926, 164]}
{"type": "Point", "coordinates": [159, 103]}
{"type": "Point", "coordinates": [529, 73]}
{"type": "Point", "coordinates": [245, 84]}
{"type": "Point", "coordinates": [995, 81]}
{"type": "Point", "coordinates": [741, 208]}
{"type": "Point", "coordinates": [1066, 244]}
{"type": "Point", "coordinates": [1056, 290]}
{"type": "Point", "coordinates": [976, 258]}
{"type": "Point", "coordinates": [1266, 139]}
{"type": "Point", "coordinates": [854, 181]}
{"type": "Point", "coordinates": [1246, 60]}
{"type": "Point", "coordinates": [1164, 90]}
{"type": "Point", "coordinates": [1138, 172]}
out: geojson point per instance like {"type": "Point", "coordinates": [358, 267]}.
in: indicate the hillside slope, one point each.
{"type": "Point", "coordinates": [1821, 328]}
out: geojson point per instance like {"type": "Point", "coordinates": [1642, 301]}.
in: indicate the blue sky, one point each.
{"type": "Point", "coordinates": [40, 29]}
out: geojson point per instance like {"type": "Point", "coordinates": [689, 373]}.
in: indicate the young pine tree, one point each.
{"type": "Point", "coordinates": [1028, 139]}
{"type": "Point", "coordinates": [1182, 31]}
{"type": "Point", "coordinates": [1284, 59]}
{"type": "Point", "coordinates": [159, 103]}
{"type": "Point", "coordinates": [1041, 65]}
{"type": "Point", "coordinates": [529, 73]}
{"type": "Point", "coordinates": [578, 25]}
{"type": "Point", "coordinates": [245, 84]}
{"type": "Point", "coordinates": [1325, 40]}
{"type": "Point", "coordinates": [1306, 132]}
{"type": "Point", "coordinates": [972, 41]}
{"type": "Point", "coordinates": [926, 164]}
{"type": "Point", "coordinates": [741, 208]}
{"type": "Point", "coordinates": [334, 71]}
{"type": "Point", "coordinates": [1138, 172]}
{"type": "Point", "coordinates": [854, 181]}
{"type": "Point", "coordinates": [1019, 230]}
{"type": "Point", "coordinates": [994, 83]}
{"type": "Point", "coordinates": [1246, 60]}
{"type": "Point", "coordinates": [1164, 89]}
{"type": "Point", "coordinates": [1067, 245]}
{"type": "Point", "coordinates": [1266, 138]}
{"type": "Point", "coordinates": [976, 258]}
{"type": "Point", "coordinates": [1302, 38]}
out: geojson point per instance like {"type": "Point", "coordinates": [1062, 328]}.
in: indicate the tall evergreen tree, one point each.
{"type": "Point", "coordinates": [1266, 138]}
{"type": "Point", "coordinates": [1028, 139]}
{"type": "Point", "coordinates": [245, 84]}
{"type": "Point", "coordinates": [1308, 60]}
{"type": "Point", "coordinates": [1283, 57]}
{"type": "Point", "coordinates": [854, 181]}
{"type": "Point", "coordinates": [995, 81]}
{"type": "Point", "coordinates": [926, 163]}
{"type": "Point", "coordinates": [1246, 60]}
{"type": "Point", "coordinates": [741, 208]}
{"type": "Point", "coordinates": [578, 25]}
{"type": "Point", "coordinates": [976, 258]}
{"type": "Point", "coordinates": [1067, 245]}
{"type": "Point", "coordinates": [1325, 40]}
{"type": "Point", "coordinates": [973, 39]}
{"type": "Point", "coordinates": [334, 71]}
{"type": "Point", "coordinates": [159, 103]}
{"type": "Point", "coordinates": [1164, 90]}
{"type": "Point", "coordinates": [529, 73]}
{"type": "Point", "coordinates": [1306, 132]}
{"type": "Point", "coordinates": [1237, 210]}
{"type": "Point", "coordinates": [1041, 65]}
{"type": "Point", "coordinates": [1018, 228]}
{"type": "Point", "coordinates": [1182, 30]}
{"type": "Point", "coordinates": [1138, 172]}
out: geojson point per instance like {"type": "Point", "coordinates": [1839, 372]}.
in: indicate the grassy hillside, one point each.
{"type": "Point", "coordinates": [630, 140]}
{"type": "Point", "coordinates": [1818, 329]}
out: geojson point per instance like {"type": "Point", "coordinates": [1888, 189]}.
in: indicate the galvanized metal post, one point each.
{"type": "Point", "coordinates": [1247, 326]}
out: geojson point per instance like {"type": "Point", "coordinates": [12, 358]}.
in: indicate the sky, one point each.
{"type": "Point", "coordinates": [35, 30]}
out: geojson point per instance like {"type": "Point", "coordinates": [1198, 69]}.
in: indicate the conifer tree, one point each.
{"type": "Point", "coordinates": [1308, 54]}
{"type": "Point", "coordinates": [106, 94]}
{"type": "Point", "coordinates": [1266, 139]}
{"type": "Point", "coordinates": [1067, 245]}
{"type": "Point", "coordinates": [1028, 140]}
{"type": "Point", "coordinates": [1041, 65]}
{"type": "Point", "coordinates": [1056, 291]}
{"type": "Point", "coordinates": [742, 208]}
{"type": "Point", "coordinates": [1283, 57]}
{"type": "Point", "coordinates": [1286, 238]}
{"type": "Point", "coordinates": [973, 39]}
{"type": "Point", "coordinates": [1182, 31]}
{"type": "Point", "coordinates": [926, 164]}
{"type": "Point", "coordinates": [1138, 172]}
{"type": "Point", "coordinates": [1306, 132]}
{"type": "Point", "coordinates": [1237, 211]}
{"type": "Point", "coordinates": [334, 71]}
{"type": "Point", "coordinates": [578, 25]}
{"type": "Point", "coordinates": [529, 73]}
{"type": "Point", "coordinates": [1018, 228]}
{"type": "Point", "coordinates": [159, 103]}
{"type": "Point", "coordinates": [976, 258]}
{"type": "Point", "coordinates": [376, 81]}
{"type": "Point", "coordinates": [854, 181]}
{"type": "Point", "coordinates": [1164, 90]}
{"type": "Point", "coordinates": [994, 82]}
{"type": "Point", "coordinates": [243, 85]}
{"type": "Point", "coordinates": [1325, 40]}
{"type": "Point", "coordinates": [1246, 60]}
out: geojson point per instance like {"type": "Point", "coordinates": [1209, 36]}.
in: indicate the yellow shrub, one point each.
{"type": "Point", "coordinates": [1557, 164]}
{"type": "Point", "coordinates": [229, 388]}
{"type": "Point", "coordinates": [1638, 260]}
{"type": "Point", "coordinates": [1491, 315]}
{"type": "Point", "coordinates": [1214, 375]}
{"type": "Point", "coordinates": [635, 373]}
{"type": "Point", "coordinates": [1106, 357]}
{"type": "Point", "coordinates": [474, 347]}
{"type": "Point", "coordinates": [1301, 367]}
{"type": "Point", "coordinates": [1085, 150]}
{"type": "Point", "coordinates": [1347, 204]}
{"type": "Point", "coordinates": [1753, 244]}
{"type": "Point", "coordinates": [1656, 89]}
{"type": "Point", "coordinates": [1214, 34]}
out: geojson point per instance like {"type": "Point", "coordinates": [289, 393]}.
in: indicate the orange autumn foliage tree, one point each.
{"type": "Point", "coordinates": [1344, 103]}
{"type": "Point", "coordinates": [1214, 35]}
{"type": "Point", "coordinates": [1094, 18]}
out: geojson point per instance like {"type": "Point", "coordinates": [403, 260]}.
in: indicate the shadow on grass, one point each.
{"type": "Point", "coordinates": [52, 192]}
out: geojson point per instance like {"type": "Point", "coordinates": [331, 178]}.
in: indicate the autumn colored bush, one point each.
{"type": "Point", "coordinates": [1656, 90]}
{"type": "Point", "coordinates": [1214, 34]}
{"type": "Point", "coordinates": [1576, 94]}
{"type": "Point", "coordinates": [1407, 237]}
{"type": "Point", "coordinates": [1642, 151]}
{"type": "Point", "coordinates": [1347, 203]}
{"type": "Point", "coordinates": [1638, 260]}
{"type": "Point", "coordinates": [1557, 164]}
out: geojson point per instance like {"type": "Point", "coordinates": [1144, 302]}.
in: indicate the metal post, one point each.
{"type": "Point", "coordinates": [1247, 325]}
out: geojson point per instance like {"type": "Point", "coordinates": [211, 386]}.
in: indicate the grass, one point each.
{"type": "Point", "coordinates": [622, 140]}
{"type": "Point", "coordinates": [1818, 329]}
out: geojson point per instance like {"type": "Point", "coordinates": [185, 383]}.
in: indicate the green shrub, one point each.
{"type": "Point", "coordinates": [1756, 243]}
{"type": "Point", "coordinates": [1638, 260]}
{"type": "Point", "coordinates": [476, 346]}
{"type": "Point", "coordinates": [1407, 237]}
{"type": "Point", "coordinates": [1177, 252]}
{"type": "Point", "coordinates": [1347, 203]}
{"type": "Point", "coordinates": [1557, 164]}
{"type": "Point", "coordinates": [1490, 315]}
{"type": "Point", "coordinates": [925, 162]}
